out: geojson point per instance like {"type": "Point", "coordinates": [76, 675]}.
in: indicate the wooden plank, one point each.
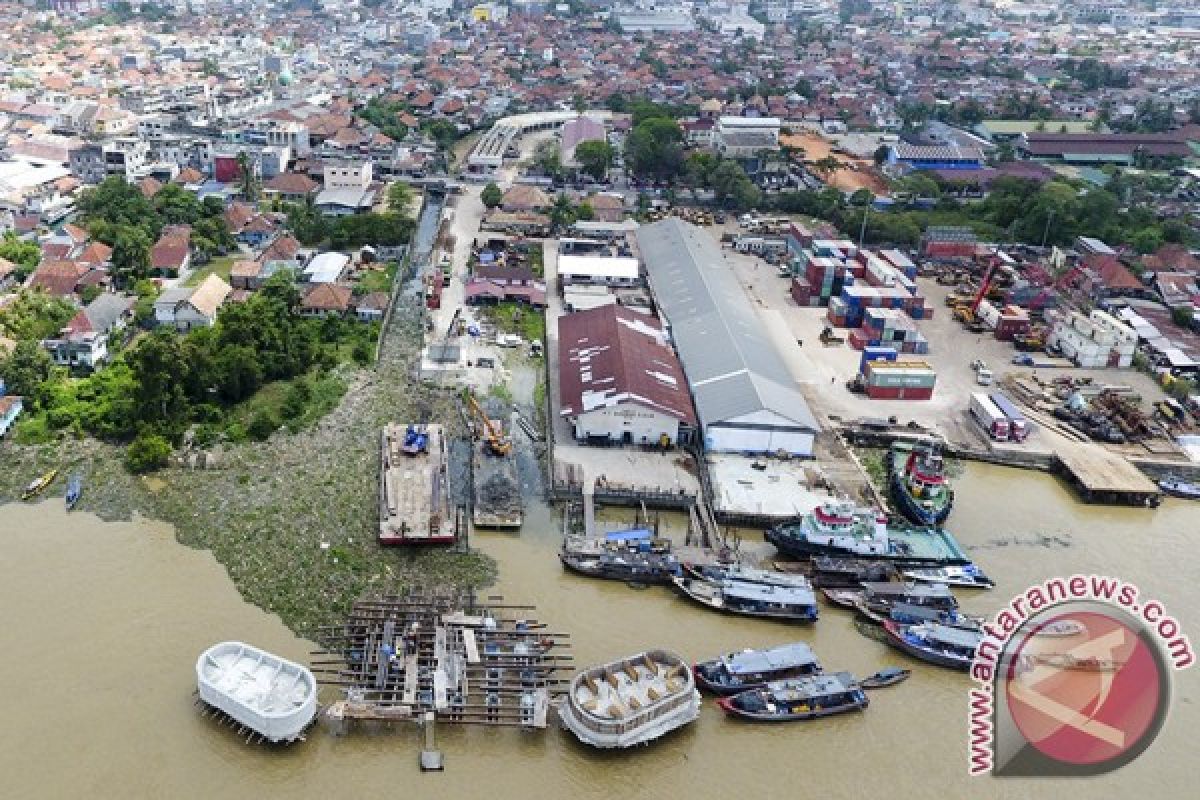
{"type": "Point", "coordinates": [471, 646]}
{"type": "Point", "coordinates": [410, 680]}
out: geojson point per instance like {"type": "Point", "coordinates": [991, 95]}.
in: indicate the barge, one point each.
{"type": "Point", "coordinates": [414, 497]}
{"type": "Point", "coordinates": [274, 697]}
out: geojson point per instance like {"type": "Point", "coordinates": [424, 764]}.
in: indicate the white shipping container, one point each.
{"type": "Point", "coordinates": [990, 418]}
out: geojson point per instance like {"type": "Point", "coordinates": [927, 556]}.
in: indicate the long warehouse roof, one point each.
{"type": "Point", "coordinates": [733, 368]}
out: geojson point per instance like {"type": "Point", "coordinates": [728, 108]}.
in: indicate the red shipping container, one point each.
{"type": "Point", "coordinates": [899, 393]}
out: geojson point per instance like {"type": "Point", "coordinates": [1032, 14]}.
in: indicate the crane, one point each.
{"type": "Point", "coordinates": [492, 435]}
{"type": "Point", "coordinates": [966, 315]}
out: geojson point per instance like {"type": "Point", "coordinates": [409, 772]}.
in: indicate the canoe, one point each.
{"type": "Point", "coordinates": [37, 485]}
{"type": "Point", "coordinates": [889, 676]}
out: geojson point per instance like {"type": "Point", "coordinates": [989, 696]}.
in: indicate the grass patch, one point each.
{"type": "Point", "coordinates": [501, 393]}
{"type": "Point", "coordinates": [526, 322]}
{"type": "Point", "coordinates": [536, 263]}
{"type": "Point", "coordinates": [379, 280]}
{"type": "Point", "coordinates": [297, 404]}
{"type": "Point", "coordinates": [218, 266]}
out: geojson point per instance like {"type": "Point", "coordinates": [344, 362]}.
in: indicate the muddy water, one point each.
{"type": "Point", "coordinates": [103, 621]}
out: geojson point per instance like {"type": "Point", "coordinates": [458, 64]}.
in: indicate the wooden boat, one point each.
{"type": "Point", "coordinates": [74, 491]}
{"type": "Point", "coordinates": [843, 529]}
{"type": "Point", "coordinates": [907, 614]}
{"type": "Point", "coordinates": [917, 483]}
{"type": "Point", "coordinates": [938, 644]}
{"type": "Point", "coordinates": [752, 669]}
{"type": "Point", "coordinates": [631, 701]}
{"type": "Point", "coordinates": [849, 573]}
{"type": "Point", "coordinates": [966, 576]}
{"type": "Point", "coordinates": [273, 697]}
{"type": "Point", "coordinates": [716, 572]}
{"type": "Point", "coordinates": [888, 676]}
{"type": "Point", "coordinates": [1061, 628]}
{"type": "Point", "coordinates": [751, 599]}
{"type": "Point", "coordinates": [843, 598]}
{"type": "Point", "coordinates": [798, 699]}
{"type": "Point", "coordinates": [878, 599]}
{"type": "Point", "coordinates": [633, 556]}
{"type": "Point", "coordinates": [1180, 488]}
{"type": "Point", "coordinates": [39, 484]}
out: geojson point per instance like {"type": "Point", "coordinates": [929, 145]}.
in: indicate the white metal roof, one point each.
{"type": "Point", "coordinates": [732, 366]}
{"type": "Point", "coordinates": [599, 266]}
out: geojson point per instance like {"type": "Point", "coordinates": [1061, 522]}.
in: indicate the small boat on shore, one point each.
{"type": "Point", "coordinates": [752, 669]}
{"type": "Point", "coordinates": [938, 644]}
{"type": "Point", "coordinates": [843, 529]}
{"type": "Point", "coordinates": [737, 572]}
{"type": "Point", "coordinates": [621, 556]}
{"type": "Point", "coordinates": [751, 599]}
{"type": "Point", "coordinates": [39, 484]}
{"type": "Point", "coordinates": [631, 701]}
{"type": "Point", "coordinates": [1180, 488]}
{"type": "Point", "coordinates": [889, 676]}
{"type": "Point", "coordinates": [966, 576]}
{"type": "Point", "coordinates": [849, 573]}
{"type": "Point", "coordinates": [917, 483]}
{"type": "Point", "coordinates": [74, 492]}
{"type": "Point", "coordinates": [798, 699]}
{"type": "Point", "coordinates": [275, 698]}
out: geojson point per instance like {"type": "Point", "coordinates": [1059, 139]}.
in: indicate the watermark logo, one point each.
{"type": "Point", "coordinates": [1074, 679]}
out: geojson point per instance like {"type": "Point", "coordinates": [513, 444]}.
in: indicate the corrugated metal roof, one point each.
{"type": "Point", "coordinates": [733, 368]}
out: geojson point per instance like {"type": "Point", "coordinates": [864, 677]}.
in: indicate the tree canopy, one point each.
{"type": "Point", "coordinates": [595, 158]}
{"type": "Point", "coordinates": [654, 149]}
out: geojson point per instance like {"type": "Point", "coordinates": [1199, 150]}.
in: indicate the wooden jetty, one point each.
{"type": "Point", "coordinates": [1101, 476]}
{"type": "Point", "coordinates": [403, 657]}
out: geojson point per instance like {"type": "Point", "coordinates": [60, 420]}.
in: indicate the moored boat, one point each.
{"type": "Point", "coordinates": [937, 644]}
{"type": "Point", "coordinates": [1180, 488]}
{"type": "Point", "coordinates": [630, 556]}
{"type": "Point", "coordinates": [841, 528]}
{"type": "Point", "coordinates": [798, 699]}
{"type": "Point", "coordinates": [888, 676]}
{"type": "Point", "coordinates": [752, 669]}
{"type": "Point", "coordinates": [849, 573]}
{"type": "Point", "coordinates": [843, 598]}
{"type": "Point", "coordinates": [271, 696]}
{"type": "Point", "coordinates": [39, 484]}
{"type": "Point", "coordinates": [878, 599]}
{"type": "Point", "coordinates": [785, 603]}
{"type": "Point", "coordinates": [630, 701]}
{"type": "Point", "coordinates": [722, 572]}
{"type": "Point", "coordinates": [965, 576]}
{"type": "Point", "coordinates": [74, 492]}
{"type": "Point", "coordinates": [917, 483]}
{"type": "Point", "coordinates": [914, 615]}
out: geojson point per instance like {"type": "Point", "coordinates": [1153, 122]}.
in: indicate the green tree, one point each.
{"type": "Point", "coordinates": [131, 255]}
{"type": "Point", "coordinates": [1183, 316]}
{"type": "Point", "coordinates": [491, 195]}
{"type": "Point", "coordinates": [595, 158]}
{"type": "Point", "coordinates": [159, 366]}
{"type": "Point", "coordinates": [262, 425]}
{"type": "Point", "coordinates": [26, 368]}
{"type": "Point", "coordinates": [547, 159]}
{"type": "Point", "coordinates": [247, 180]}
{"type": "Point", "coordinates": [399, 198]}
{"type": "Point", "coordinates": [24, 254]}
{"type": "Point", "coordinates": [148, 452]}
{"type": "Point", "coordinates": [654, 149]}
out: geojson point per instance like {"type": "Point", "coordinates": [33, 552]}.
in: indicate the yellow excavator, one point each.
{"type": "Point", "coordinates": [492, 435]}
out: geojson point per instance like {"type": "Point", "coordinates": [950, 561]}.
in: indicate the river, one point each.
{"type": "Point", "coordinates": [103, 622]}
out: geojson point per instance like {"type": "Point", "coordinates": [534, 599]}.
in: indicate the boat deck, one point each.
{"type": "Point", "coordinates": [265, 686]}
{"type": "Point", "coordinates": [497, 501]}
{"type": "Point", "coordinates": [927, 543]}
{"type": "Point", "coordinates": [414, 503]}
{"type": "Point", "coordinates": [618, 693]}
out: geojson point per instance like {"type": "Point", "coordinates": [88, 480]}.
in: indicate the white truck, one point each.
{"type": "Point", "coordinates": [993, 421]}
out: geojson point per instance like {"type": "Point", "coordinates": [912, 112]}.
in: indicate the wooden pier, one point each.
{"type": "Point", "coordinates": [1101, 476]}
{"type": "Point", "coordinates": [404, 657]}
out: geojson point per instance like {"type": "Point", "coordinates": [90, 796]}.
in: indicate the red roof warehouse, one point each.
{"type": "Point", "coordinates": [620, 379]}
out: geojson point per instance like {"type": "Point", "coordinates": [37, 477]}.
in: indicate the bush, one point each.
{"type": "Point", "coordinates": [297, 399]}
{"type": "Point", "coordinates": [262, 425]}
{"type": "Point", "coordinates": [147, 453]}
{"type": "Point", "coordinates": [361, 353]}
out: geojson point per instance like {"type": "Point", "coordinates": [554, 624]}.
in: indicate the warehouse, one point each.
{"type": "Point", "coordinates": [620, 380]}
{"type": "Point", "coordinates": [745, 398]}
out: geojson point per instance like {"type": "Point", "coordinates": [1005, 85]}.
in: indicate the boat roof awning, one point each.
{"type": "Point", "coordinates": [630, 535]}
{"type": "Point", "coordinates": [758, 661]}
{"type": "Point", "coordinates": [959, 637]}
{"type": "Point", "coordinates": [760, 592]}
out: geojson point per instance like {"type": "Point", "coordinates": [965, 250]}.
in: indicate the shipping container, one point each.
{"type": "Point", "coordinates": [1018, 426]}
{"type": "Point", "coordinates": [991, 419]}
{"type": "Point", "coordinates": [899, 392]}
{"type": "Point", "coordinates": [876, 354]}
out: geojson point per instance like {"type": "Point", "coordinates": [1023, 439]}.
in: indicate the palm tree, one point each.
{"type": "Point", "coordinates": [248, 182]}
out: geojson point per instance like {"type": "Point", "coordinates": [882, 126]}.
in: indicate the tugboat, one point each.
{"type": "Point", "coordinates": [751, 599]}
{"type": "Point", "coordinates": [630, 701]}
{"type": "Point", "coordinates": [841, 528]}
{"type": "Point", "coordinates": [938, 644]}
{"type": "Point", "coordinates": [967, 576]}
{"type": "Point", "coordinates": [1180, 488]}
{"type": "Point", "coordinates": [917, 483]}
{"type": "Point", "coordinates": [736, 572]}
{"type": "Point", "coordinates": [799, 699]}
{"type": "Point", "coordinates": [753, 669]}
{"type": "Point", "coordinates": [74, 491]}
{"type": "Point", "coordinates": [630, 556]}
{"type": "Point", "coordinates": [38, 485]}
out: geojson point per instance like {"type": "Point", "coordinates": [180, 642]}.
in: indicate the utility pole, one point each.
{"type": "Point", "coordinates": [862, 233]}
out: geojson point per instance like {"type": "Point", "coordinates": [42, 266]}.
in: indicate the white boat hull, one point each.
{"type": "Point", "coordinates": [272, 696]}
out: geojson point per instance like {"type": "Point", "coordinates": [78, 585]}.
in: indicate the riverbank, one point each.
{"type": "Point", "coordinates": [293, 519]}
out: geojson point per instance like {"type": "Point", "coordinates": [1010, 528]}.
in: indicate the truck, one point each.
{"type": "Point", "coordinates": [991, 419]}
{"type": "Point", "coordinates": [1019, 427]}
{"type": "Point", "coordinates": [983, 375]}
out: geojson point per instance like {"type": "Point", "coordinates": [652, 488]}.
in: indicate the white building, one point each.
{"type": "Point", "coordinates": [1097, 340]}
{"type": "Point", "coordinates": [348, 175]}
{"type": "Point", "coordinates": [598, 270]}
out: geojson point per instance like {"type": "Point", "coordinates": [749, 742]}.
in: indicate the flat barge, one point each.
{"type": "Point", "coordinates": [414, 498]}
